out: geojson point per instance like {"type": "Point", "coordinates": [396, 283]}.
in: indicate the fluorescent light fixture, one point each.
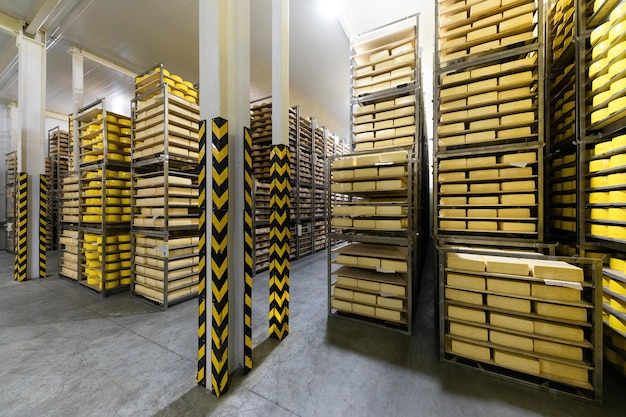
{"type": "Point", "coordinates": [328, 8]}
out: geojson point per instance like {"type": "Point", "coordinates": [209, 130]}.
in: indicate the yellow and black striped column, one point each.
{"type": "Point", "coordinates": [219, 259]}
{"type": "Point", "coordinates": [248, 250]}
{"type": "Point", "coordinates": [21, 232]}
{"type": "Point", "coordinates": [202, 289]}
{"type": "Point", "coordinates": [43, 220]}
{"type": "Point", "coordinates": [280, 205]}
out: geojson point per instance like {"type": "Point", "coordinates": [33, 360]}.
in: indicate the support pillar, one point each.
{"type": "Point", "coordinates": [280, 187]}
{"type": "Point", "coordinates": [31, 120]}
{"type": "Point", "coordinates": [225, 93]}
{"type": "Point", "coordinates": [78, 101]}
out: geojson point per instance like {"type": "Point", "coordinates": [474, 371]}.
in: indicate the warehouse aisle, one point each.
{"type": "Point", "coordinates": [65, 352]}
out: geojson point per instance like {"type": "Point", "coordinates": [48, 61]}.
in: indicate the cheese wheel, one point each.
{"type": "Point", "coordinates": [619, 142]}
{"type": "Point", "coordinates": [600, 81]}
{"type": "Point", "coordinates": [618, 196]}
{"type": "Point", "coordinates": [617, 214]}
{"type": "Point", "coordinates": [618, 14]}
{"type": "Point", "coordinates": [617, 264]}
{"type": "Point", "coordinates": [618, 86]}
{"type": "Point", "coordinates": [618, 286]}
{"type": "Point", "coordinates": [603, 147]}
{"type": "Point", "coordinates": [598, 66]}
{"type": "Point", "coordinates": [178, 93]}
{"type": "Point", "coordinates": [599, 115]}
{"type": "Point", "coordinates": [617, 67]}
{"type": "Point", "coordinates": [598, 182]}
{"type": "Point", "coordinates": [617, 160]}
{"type": "Point", "coordinates": [616, 179]}
{"type": "Point", "coordinates": [599, 230]}
{"type": "Point", "coordinates": [598, 165]}
{"type": "Point", "coordinates": [618, 104]}
{"type": "Point", "coordinates": [616, 31]}
{"type": "Point", "coordinates": [599, 214]}
{"type": "Point", "coordinates": [617, 324]}
{"type": "Point", "coordinates": [601, 98]}
{"type": "Point", "coordinates": [600, 50]}
{"type": "Point", "coordinates": [600, 33]}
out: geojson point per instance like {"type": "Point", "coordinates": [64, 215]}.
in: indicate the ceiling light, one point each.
{"type": "Point", "coordinates": [328, 8]}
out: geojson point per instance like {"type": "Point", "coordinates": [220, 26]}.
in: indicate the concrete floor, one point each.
{"type": "Point", "coordinates": [66, 352]}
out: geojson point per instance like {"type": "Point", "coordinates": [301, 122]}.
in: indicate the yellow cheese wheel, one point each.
{"type": "Point", "coordinates": [178, 93]}
{"type": "Point", "coordinates": [123, 121]}
{"type": "Point", "coordinates": [618, 287]}
{"type": "Point", "coordinates": [90, 218]}
{"type": "Point", "coordinates": [598, 165]}
{"type": "Point", "coordinates": [94, 264]}
{"type": "Point", "coordinates": [91, 193]}
{"type": "Point", "coordinates": [110, 258]}
{"type": "Point", "coordinates": [617, 30]}
{"type": "Point", "coordinates": [92, 255]}
{"type": "Point", "coordinates": [112, 137]}
{"type": "Point", "coordinates": [112, 218]}
{"type": "Point", "coordinates": [618, 104]}
{"type": "Point", "coordinates": [91, 280]}
{"type": "Point", "coordinates": [599, 230]}
{"type": "Point", "coordinates": [113, 200]}
{"type": "Point", "coordinates": [116, 157]}
{"type": "Point", "coordinates": [617, 160]}
{"type": "Point", "coordinates": [126, 192]}
{"type": "Point", "coordinates": [124, 246]}
{"type": "Point", "coordinates": [89, 247]}
{"type": "Point", "coordinates": [617, 214]}
{"type": "Point", "coordinates": [603, 147]}
{"type": "Point", "coordinates": [600, 50]}
{"type": "Point", "coordinates": [616, 179]}
{"type": "Point", "coordinates": [600, 98]}
{"type": "Point", "coordinates": [597, 67]}
{"type": "Point", "coordinates": [113, 128]}
{"type": "Point", "coordinates": [113, 210]}
{"type": "Point", "coordinates": [125, 218]}
{"type": "Point", "coordinates": [91, 158]}
{"type": "Point", "coordinates": [618, 196]}
{"type": "Point", "coordinates": [190, 98]}
{"type": "Point", "coordinates": [599, 214]}
{"type": "Point", "coordinates": [93, 210]}
{"type": "Point", "coordinates": [598, 182]}
{"type": "Point", "coordinates": [124, 281]}
{"type": "Point", "coordinates": [618, 14]}
{"type": "Point", "coordinates": [181, 86]}
{"type": "Point", "coordinates": [618, 86]}
{"type": "Point", "coordinates": [616, 264]}
{"type": "Point", "coordinates": [115, 183]}
{"type": "Point", "coordinates": [123, 174]}
{"type": "Point", "coordinates": [176, 78]}
{"type": "Point", "coordinates": [109, 285]}
{"type": "Point", "coordinates": [125, 264]}
{"type": "Point", "coordinates": [193, 93]}
{"type": "Point", "coordinates": [127, 158]}
{"type": "Point", "coordinates": [599, 115]}
{"type": "Point", "coordinates": [617, 67]}
{"type": "Point", "coordinates": [113, 192]}
{"type": "Point", "coordinates": [600, 33]}
{"type": "Point", "coordinates": [616, 232]}
{"type": "Point", "coordinates": [600, 82]}
{"type": "Point", "coordinates": [93, 201]}
{"type": "Point", "coordinates": [125, 140]}
{"type": "Point", "coordinates": [189, 84]}
{"type": "Point", "coordinates": [619, 142]}
{"type": "Point", "coordinates": [123, 238]}
{"type": "Point", "coordinates": [598, 198]}
{"type": "Point", "coordinates": [125, 131]}
{"type": "Point", "coordinates": [617, 324]}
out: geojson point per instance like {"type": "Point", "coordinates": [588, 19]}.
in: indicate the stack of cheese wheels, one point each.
{"type": "Point", "coordinates": [607, 71]}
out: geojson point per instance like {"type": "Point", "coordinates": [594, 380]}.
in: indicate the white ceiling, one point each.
{"type": "Point", "coordinates": [136, 34]}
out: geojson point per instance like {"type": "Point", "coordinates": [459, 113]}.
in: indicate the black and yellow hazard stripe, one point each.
{"type": "Point", "coordinates": [21, 232]}
{"type": "Point", "coordinates": [43, 220]}
{"type": "Point", "coordinates": [248, 249]}
{"type": "Point", "coordinates": [202, 290]}
{"type": "Point", "coordinates": [219, 259]}
{"type": "Point", "coordinates": [280, 205]}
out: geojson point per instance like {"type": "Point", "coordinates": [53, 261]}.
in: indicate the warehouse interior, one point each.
{"type": "Point", "coordinates": [430, 193]}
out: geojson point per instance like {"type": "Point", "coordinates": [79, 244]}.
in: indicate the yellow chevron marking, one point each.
{"type": "Point", "coordinates": [279, 300]}
{"type": "Point", "coordinates": [281, 267]}
{"type": "Point", "coordinates": [218, 224]}
{"type": "Point", "coordinates": [201, 352]}
{"type": "Point", "coordinates": [202, 130]}
{"type": "Point", "coordinates": [279, 218]}
{"type": "Point", "coordinates": [281, 153]}
{"type": "Point", "coordinates": [220, 132]}
{"type": "Point", "coordinates": [202, 307]}
{"type": "Point", "coordinates": [279, 314]}
{"type": "Point", "coordinates": [276, 232]}
{"type": "Point", "coordinates": [220, 201]}
{"type": "Point", "coordinates": [217, 269]}
{"type": "Point", "coordinates": [220, 177]}
{"type": "Point", "coordinates": [202, 196]}
{"type": "Point", "coordinates": [274, 330]}
{"type": "Point", "coordinates": [219, 294]}
{"type": "Point", "coordinates": [202, 329]}
{"type": "Point", "coordinates": [217, 340]}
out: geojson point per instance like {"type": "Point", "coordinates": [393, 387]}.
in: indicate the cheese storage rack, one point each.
{"type": "Point", "coordinates": [164, 169]}
{"type": "Point", "coordinates": [489, 104]}
{"type": "Point", "coordinates": [603, 165]}
{"type": "Point", "coordinates": [11, 176]}
{"type": "Point", "coordinates": [104, 208]}
{"type": "Point", "coordinates": [68, 221]}
{"type": "Point", "coordinates": [57, 167]}
{"type": "Point", "coordinates": [528, 318]}
{"type": "Point", "coordinates": [308, 147]}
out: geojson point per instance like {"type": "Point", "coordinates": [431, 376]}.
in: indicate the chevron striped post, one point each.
{"type": "Point", "coordinates": [43, 220]}
{"type": "Point", "coordinates": [280, 205]}
{"type": "Point", "coordinates": [21, 232]}
{"type": "Point", "coordinates": [248, 251]}
{"type": "Point", "coordinates": [219, 259]}
{"type": "Point", "coordinates": [202, 289]}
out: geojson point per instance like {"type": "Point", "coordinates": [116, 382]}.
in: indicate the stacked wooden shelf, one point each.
{"type": "Point", "coordinates": [528, 317]}
{"type": "Point", "coordinates": [165, 146]}
{"type": "Point", "coordinates": [563, 194]}
{"type": "Point", "coordinates": [57, 167]}
{"type": "Point", "coordinates": [11, 178]}
{"type": "Point", "coordinates": [105, 209]}
{"type": "Point", "coordinates": [69, 219]}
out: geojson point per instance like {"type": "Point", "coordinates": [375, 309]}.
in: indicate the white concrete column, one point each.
{"type": "Point", "coordinates": [280, 72]}
{"type": "Point", "coordinates": [78, 94]}
{"type": "Point", "coordinates": [32, 147]}
{"type": "Point", "coordinates": [225, 92]}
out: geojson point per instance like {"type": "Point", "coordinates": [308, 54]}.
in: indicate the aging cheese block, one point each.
{"type": "Point", "coordinates": [508, 303]}
{"type": "Point", "coordinates": [341, 187]}
{"type": "Point", "coordinates": [365, 173]}
{"type": "Point", "coordinates": [510, 340]}
{"type": "Point", "coordinates": [347, 260]}
{"type": "Point", "coordinates": [558, 349]}
{"type": "Point", "coordinates": [362, 210]}
{"type": "Point", "coordinates": [453, 105]}
{"type": "Point", "coordinates": [511, 323]}
{"type": "Point", "coordinates": [483, 85]}
{"type": "Point", "coordinates": [392, 171]}
{"type": "Point", "coordinates": [482, 33]}
{"type": "Point", "coordinates": [517, 227]}
{"type": "Point", "coordinates": [483, 174]}
{"type": "Point", "coordinates": [464, 296]}
{"type": "Point", "coordinates": [341, 222]}
{"type": "Point", "coordinates": [481, 162]}
{"type": "Point", "coordinates": [518, 186]}
{"type": "Point", "coordinates": [485, 188]}
{"type": "Point", "coordinates": [452, 225]}
{"type": "Point", "coordinates": [517, 199]}
{"type": "Point", "coordinates": [395, 224]}
{"type": "Point", "coordinates": [341, 305]}
{"type": "Point", "coordinates": [453, 188]}
{"type": "Point", "coordinates": [514, 213]}
{"type": "Point", "coordinates": [487, 46]}
{"type": "Point", "coordinates": [518, 118]}
{"type": "Point", "coordinates": [368, 285]}
{"type": "Point", "coordinates": [471, 351]}
{"type": "Point", "coordinates": [557, 270]}
{"type": "Point", "coordinates": [362, 297]}
{"type": "Point", "coordinates": [506, 265]}
{"type": "Point", "coordinates": [564, 371]}
{"type": "Point", "coordinates": [470, 332]}
{"type": "Point", "coordinates": [385, 314]}
{"type": "Point", "coordinates": [518, 132]}
{"type": "Point", "coordinates": [389, 302]}
{"type": "Point", "coordinates": [396, 266]}
{"type": "Point", "coordinates": [341, 293]}
{"type": "Point", "coordinates": [513, 93]}
{"type": "Point", "coordinates": [517, 362]}
{"type": "Point", "coordinates": [465, 281]}
{"type": "Point", "coordinates": [482, 112]}
{"type": "Point", "coordinates": [483, 201]}
{"type": "Point", "coordinates": [451, 176]}
{"type": "Point", "coordinates": [466, 262]}
{"type": "Point", "coordinates": [391, 185]}
{"type": "Point", "coordinates": [363, 309]}
{"type": "Point", "coordinates": [453, 91]}
{"type": "Point", "coordinates": [364, 186]}
{"type": "Point", "coordinates": [484, 71]}
{"type": "Point", "coordinates": [343, 175]}
{"type": "Point", "coordinates": [507, 286]}
{"type": "Point", "coordinates": [482, 225]}
{"type": "Point", "coordinates": [560, 311]}
{"type": "Point", "coordinates": [390, 210]}
{"type": "Point", "coordinates": [516, 158]}
{"type": "Point", "coordinates": [552, 292]}
{"type": "Point", "coordinates": [467, 314]}
{"type": "Point", "coordinates": [516, 106]}
{"type": "Point", "coordinates": [393, 289]}
{"type": "Point", "coordinates": [452, 201]}
{"type": "Point", "coordinates": [482, 212]}
{"type": "Point", "coordinates": [346, 281]}
{"type": "Point", "coordinates": [452, 164]}
{"type": "Point", "coordinates": [479, 137]}
{"type": "Point", "coordinates": [368, 262]}
{"type": "Point", "coordinates": [452, 213]}
{"type": "Point", "coordinates": [560, 331]}
{"type": "Point", "coordinates": [516, 22]}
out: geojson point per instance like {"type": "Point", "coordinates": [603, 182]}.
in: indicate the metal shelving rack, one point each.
{"type": "Point", "coordinates": [68, 221]}
{"type": "Point", "coordinates": [498, 315]}
{"type": "Point", "coordinates": [11, 176]}
{"type": "Point", "coordinates": [165, 255]}
{"type": "Point", "coordinates": [489, 106]}
{"type": "Point", "coordinates": [59, 159]}
{"type": "Point", "coordinates": [374, 227]}
{"type": "Point", "coordinates": [104, 187]}
{"type": "Point", "coordinates": [602, 130]}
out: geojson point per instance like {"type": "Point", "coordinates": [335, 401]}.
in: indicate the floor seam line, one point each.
{"type": "Point", "coordinates": [272, 401]}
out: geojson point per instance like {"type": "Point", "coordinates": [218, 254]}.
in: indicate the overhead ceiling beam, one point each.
{"type": "Point", "coordinates": [103, 61]}
{"type": "Point", "coordinates": [10, 24]}
{"type": "Point", "coordinates": [41, 16]}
